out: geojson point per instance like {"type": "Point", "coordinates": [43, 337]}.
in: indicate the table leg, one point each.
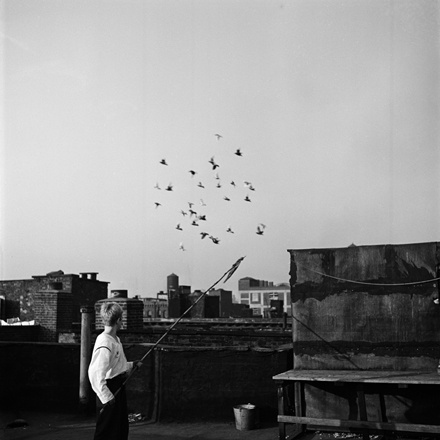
{"type": "Point", "coordinates": [281, 410]}
{"type": "Point", "coordinates": [299, 410]}
{"type": "Point", "coordinates": [362, 408]}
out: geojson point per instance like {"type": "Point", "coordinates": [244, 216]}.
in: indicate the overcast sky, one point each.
{"type": "Point", "coordinates": [334, 105]}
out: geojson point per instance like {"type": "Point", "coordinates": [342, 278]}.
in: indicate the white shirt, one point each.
{"type": "Point", "coordinates": [108, 361]}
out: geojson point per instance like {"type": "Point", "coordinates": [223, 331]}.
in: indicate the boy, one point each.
{"type": "Point", "coordinates": [107, 371]}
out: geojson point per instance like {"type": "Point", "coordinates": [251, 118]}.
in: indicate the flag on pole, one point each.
{"type": "Point", "coordinates": [233, 268]}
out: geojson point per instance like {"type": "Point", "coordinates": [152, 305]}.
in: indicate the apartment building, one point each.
{"type": "Point", "coordinates": [262, 295]}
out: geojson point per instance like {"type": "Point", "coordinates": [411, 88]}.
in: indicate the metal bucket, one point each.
{"type": "Point", "coordinates": [244, 417]}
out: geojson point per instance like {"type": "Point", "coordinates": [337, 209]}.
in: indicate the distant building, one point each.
{"type": "Point", "coordinates": [258, 295]}
{"type": "Point", "coordinates": [54, 300]}
{"type": "Point", "coordinates": [224, 302]}
{"type": "Point", "coordinates": [217, 303]}
{"type": "Point", "coordinates": [155, 308]}
{"type": "Point", "coordinates": [20, 295]}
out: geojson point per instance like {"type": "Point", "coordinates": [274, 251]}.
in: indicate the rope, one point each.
{"type": "Point", "coordinates": [370, 284]}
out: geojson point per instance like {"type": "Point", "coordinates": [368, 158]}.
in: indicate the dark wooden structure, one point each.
{"type": "Point", "coordinates": [365, 317]}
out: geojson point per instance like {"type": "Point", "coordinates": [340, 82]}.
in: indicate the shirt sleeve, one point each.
{"type": "Point", "coordinates": [97, 370]}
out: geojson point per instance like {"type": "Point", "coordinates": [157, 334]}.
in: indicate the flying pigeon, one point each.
{"type": "Point", "coordinates": [203, 234]}
{"type": "Point", "coordinates": [184, 213]}
{"type": "Point", "coordinates": [190, 204]}
{"type": "Point", "coordinates": [229, 230]}
{"type": "Point", "coordinates": [260, 229]}
{"type": "Point", "coordinates": [217, 176]}
{"type": "Point", "coordinates": [251, 188]}
{"type": "Point", "coordinates": [247, 199]}
{"type": "Point", "coordinates": [227, 199]}
{"type": "Point", "coordinates": [202, 217]}
{"type": "Point", "coordinates": [214, 239]}
{"type": "Point", "coordinates": [181, 247]}
{"type": "Point", "coordinates": [191, 213]}
{"type": "Point", "coordinates": [218, 136]}
{"type": "Point", "coordinates": [163, 162]}
{"type": "Point", "coordinates": [157, 204]}
{"type": "Point", "coordinates": [233, 184]}
{"type": "Point", "coordinates": [238, 152]}
{"type": "Point", "coordinates": [193, 173]}
{"type": "Point", "coordinates": [200, 185]}
{"type": "Point", "coordinates": [219, 185]}
{"type": "Point", "coordinates": [212, 162]}
{"type": "Point", "coordinates": [178, 227]}
{"type": "Point", "coordinates": [169, 187]}
{"type": "Point", "coordinates": [194, 223]}
{"type": "Point", "coordinates": [157, 186]}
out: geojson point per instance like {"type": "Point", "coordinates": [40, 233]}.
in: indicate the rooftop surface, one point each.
{"type": "Point", "coordinates": [51, 426]}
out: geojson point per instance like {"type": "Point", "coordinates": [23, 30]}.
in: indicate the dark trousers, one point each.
{"type": "Point", "coordinates": [112, 422]}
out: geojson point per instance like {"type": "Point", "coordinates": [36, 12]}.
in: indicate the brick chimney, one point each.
{"type": "Point", "coordinates": [53, 310]}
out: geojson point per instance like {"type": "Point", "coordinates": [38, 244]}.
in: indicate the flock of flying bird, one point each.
{"type": "Point", "coordinates": [195, 217]}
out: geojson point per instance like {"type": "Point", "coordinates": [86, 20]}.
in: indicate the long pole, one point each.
{"type": "Point", "coordinates": [227, 274]}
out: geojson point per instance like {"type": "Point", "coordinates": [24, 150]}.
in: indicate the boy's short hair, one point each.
{"type": "Point", "coordinates": [110, 313]}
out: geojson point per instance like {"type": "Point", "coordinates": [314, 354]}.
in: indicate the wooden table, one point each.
{"type": "Point", "coordinates": [300, 377]}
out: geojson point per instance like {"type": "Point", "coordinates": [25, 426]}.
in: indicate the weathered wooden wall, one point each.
{"type": "Point", "coordinates": [345, 325]}
{"type": "Point", "coordinates": [371, 323]}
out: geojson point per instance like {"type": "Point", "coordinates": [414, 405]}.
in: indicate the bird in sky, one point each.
{"type": "Point", "coordinates": [229, 230]}
{"type": "Point", "coordinates": [157, 204]}
{"type": "Point", "coordinates": [169, 187]}
{"type": "Point", "coordinates": [192, 172]}
{"type": "Point", "coordinates": [251, 188]}
{"type": "Point", "coordinates": [192, 212]}
{"type": "Point", "coordinates": [219, 185]}
{"type": "Point", "coordinates": [246, 183]}
{"type": "Point", "coordinates": [215, 240]}
{"type": "Point", "coordinates": [217, 176]}
{"type": "Point", "coordinates": [183, 212]}
{"type": "Point", "coordinates": [181, 247]}
{"type": "Point", "coordinates": [238, 152]}
{"type": "Point", "coordinates": [157, 186]}
{"type": "Point", "coordinates": [194, 223]}
{"type": "Point", "coordinates": [178, 227]}
{"type": "Point", "coordinates": [200, 185]}
{"type": "Point", "coordinates": [218, 136]}
{"type": "Point", "coordinates": [233, 183]}
{"type": "Point", "coordinates": [202, 217]}
{"type": "Point", "coordinates": [212, 162]}
{"type": "Point", "coordinates": [226, 198]}
{"type": "Point", "coordinates": [203, 234]}
{"type": "Point", "coordinates": [202, 202]}
{"type": "Point", "coordinates": [163, 162]}
{"type": "Point", "coordinates": [190, 204]}
{"type": "Point", "coordinates": [247, 199]}
{"type": "Point", "coordinates": [260, 229]}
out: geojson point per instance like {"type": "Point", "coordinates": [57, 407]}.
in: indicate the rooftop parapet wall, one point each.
{"type": "Point", "coordinates": [366, 307]}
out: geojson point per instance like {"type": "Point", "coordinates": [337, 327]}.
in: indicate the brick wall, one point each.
{"type": "Point", "coordinates": [53, 311]}
{"type": "Point", "coordinates": [174, 384]}
{"type": "Point", "coordinates": [182, 337]}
